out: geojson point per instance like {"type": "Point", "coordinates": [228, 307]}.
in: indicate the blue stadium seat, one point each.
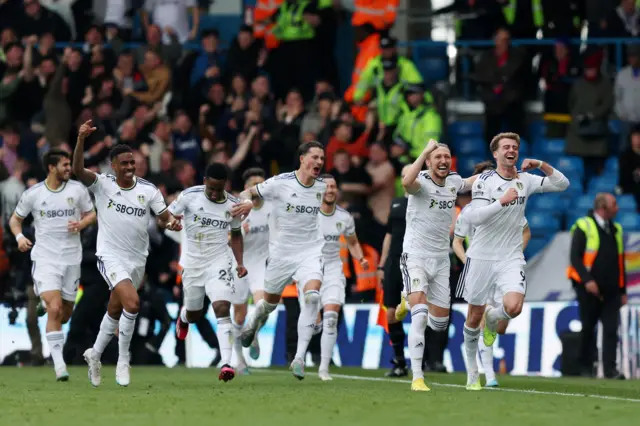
{"type": "Point", "coordinates": [582, 204]}
{"type": "Point", "coordinates": [548, 147]}
{"type": "Point", "coordinates": [569, 165]}
{"type": "Point", "coordinates": [542, 222]}
{"type": "Point", "coordinates": [524, 148]}
{"type": "Point", "coordinates": [434, 69]}
{"type": "Point", "coordinates": [553, 204]}
{"type": "Point", "coordinates": [572, 217]}
{"type": "Point", "coordinates": [536, 244]}
{"type": "Point", "coordinates": [612, 166]}
{"type": "Point", "coordinates": [629, 221]}
{"type": "Point", "coordinates": [603, 184]}
{"type": "Point", "coordinates": [465, 164]}
{"type": "Point", "coordinates": [614, 126]}
{"type": "Point", "coordinates": [470, 146]}
{"type": "Point", "coordinates": [576, 187]}
{"type": "Point", "coordinates": [537, 130]}
{"type": "Point", "coordinates": [627, 203]}
{"type": "Point", "coordinates": [466, 128]}
{"type": "Point", "coordinates": [429, 51]}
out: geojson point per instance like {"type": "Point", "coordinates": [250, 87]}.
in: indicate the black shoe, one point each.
{"type": "Point", "coordinates": [438, 367]}
{"type": "Point", "coordinates": [616, 375]}
{"type": "Point", "coordinates": [399, 369]}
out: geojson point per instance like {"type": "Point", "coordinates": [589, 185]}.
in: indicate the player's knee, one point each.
{"type": "Point", "coordinates": [131, 305]}
{"type": "Point", "coordinates": [474, 318]}
{"type": "Point", "coordinates": [54, 310]}
{"type": "Point", "coordinates": [419, 316]}
{"type": "Point", "coordinates": [330, 322]}
{"type": "Point", "coordinates": [239, 314]}
{"type": "Point", "coordinates": [312, 297]}
{"type": "Point", "coordinates": [221, 308]}
{"type": "Point", "coordinates": [513, 309]}
{"type": "Point", "coordinates": [438, 323]}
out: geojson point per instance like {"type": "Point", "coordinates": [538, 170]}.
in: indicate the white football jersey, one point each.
{"type": "Point", "coordinates": [52, 211]}
{"type": "Point", "coordinates": [430, 213]}
{"type": "Point", "coordinates": [500, 238]}
{"type": "Point", "coordinates": [465, 230]}
{"type": "Point", "coordinates": [255, 230]}
{"type": "Point", "coordinates": [294, 214]}
{"type": "Point", "coordinates": [333, 225]}
{"type": "Point", "coordinates": [123, 217]}
{"type": "Point", "coordinates": [207, 224]}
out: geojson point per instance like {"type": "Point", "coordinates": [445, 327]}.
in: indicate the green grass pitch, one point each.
{"type": "Point", "coordinates": [180, 396]}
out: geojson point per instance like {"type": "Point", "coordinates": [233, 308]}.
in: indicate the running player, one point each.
{"type": "Point", "coordinates": [123, 203]}
{"type": "Point", "coordinates": [425, 258]}
{"type": "Point", "coordinates": [494, 258]}
{"type": "Point", "coordinates": [462, 236]}
{"type": "Point", "coordinates": [61, 208]}
{"type": "Point", "coordinates": [334, 223]}
{"type": "Point", "coordinates": [295, 245]}
{"type": "Point", "coordinates": [206, 264]}
{"type": "Point", "coordinates": [255, 230]}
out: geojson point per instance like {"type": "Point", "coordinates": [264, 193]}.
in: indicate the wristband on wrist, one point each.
{"type": "Point", "coordinates": [540, 163]}
{"type": "Point", "coordinates": [19, 237]}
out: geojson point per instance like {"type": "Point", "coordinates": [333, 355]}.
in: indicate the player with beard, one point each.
{"type": "Point", "coordinates": [494, 258]}
{"type": "Point", "coordinates": [124, 203]}
{"type": "Point", "coordinates": [425, 260]}
{"type": "Point", "coordinates": [61, 208]}
{"type": "Point", "coordinates": [295, 246]}
{"type": "Point", "coordinates": [334, 223]}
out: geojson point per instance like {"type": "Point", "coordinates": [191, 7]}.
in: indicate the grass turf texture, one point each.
{"type": "Point", "coordinates": [163, 396]}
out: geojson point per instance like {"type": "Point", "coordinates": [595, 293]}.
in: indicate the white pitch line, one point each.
{"type": "Point", "coordinates": [450, 385]}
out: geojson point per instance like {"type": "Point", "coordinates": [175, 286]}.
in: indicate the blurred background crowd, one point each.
{"type": "Point", "coordinates": [158, 76]}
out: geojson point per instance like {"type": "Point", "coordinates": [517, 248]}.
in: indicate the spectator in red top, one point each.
{"type": "Point", "coordinates": [342, 141]}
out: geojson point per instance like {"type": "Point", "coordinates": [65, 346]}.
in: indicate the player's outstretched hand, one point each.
{"type": "Point", "coordinates": [364, 263]}
{"type": "Point", "coordinates": [86, 129]}
{"type": "Point", "coordinates": [242, 271]}
{"type": "Point", "coordinates": [24, 244]}
{"type": "Point", "coordinates": [530, 164]}
{"type": "Point", "coordinates": [174, 224]}
{"type": "Point", "coordinates": [509, 196]}
{"type": "Point", "coordinates": [242, 209]}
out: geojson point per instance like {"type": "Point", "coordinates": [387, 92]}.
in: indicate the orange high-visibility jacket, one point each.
{"type": "Point", "coordinates": [261, 28]}
{"type": "Point", "coordinates": [368, 49]}
{"type": "Point", "coordinates": [379, 13]}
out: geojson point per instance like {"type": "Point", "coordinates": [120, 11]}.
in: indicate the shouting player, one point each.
{"type": "Point", "coordinates": [61, 208]}
{"type": "Point", "coordinates": [494, 258]}
{"type": "Point", "coordinates": [206, 264]}
{"type": "Point", "coordinates": [425, 259]}
{"type": "Point", "coordinates": [462, 236]}
{"type": "Point", "coordinates": [334, 223]}
{"type": "Point", "coordinates": [255, 230]}
{"type": "Point", "coordinates": [295, 246]}
{"type": "Point", "coordinates": [123, 203]}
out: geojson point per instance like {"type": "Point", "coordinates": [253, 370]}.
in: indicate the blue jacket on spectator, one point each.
{"type": "Point", "coordinates": [202, 63]}
{"type": "Point", "coordinates": [187, 147]}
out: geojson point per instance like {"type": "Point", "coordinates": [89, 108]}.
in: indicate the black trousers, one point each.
{"type": "Point", "coordinates": [593, 310]}
{"type": "Point", "coordinates": [206, 331]}
{"type": "Point", "coordinates": [513, 119]}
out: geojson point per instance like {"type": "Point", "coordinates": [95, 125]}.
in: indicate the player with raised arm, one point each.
{"type": "Point", "coordinates": [425, 261]}
{"type": "Point", "coordinates": [255, 231]}
{"type": "Point", "coordinates": [123, 203]}
{"type": "Point", "coordinates": [61, 208]}
{"type": "Point", "coordinates": [295, 245]}
{"type": "Point", "coordinates": [463, 234]}
{"type": "Point", "coordinates": [207, 264]}
{"type": "Point", "coordinates": [334, 222]}
{"type": "Point", "coordinates": [494, 258]}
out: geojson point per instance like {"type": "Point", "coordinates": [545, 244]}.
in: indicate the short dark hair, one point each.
{"type": "Point", "coordinates": [119, 149]}
{"type": "Point", "coordinates": [53, 157]}
{"type": "Point", "coordinates": [252, 172]}
{"type": "Point", "coordinates": [483, 166]}
{"type": "Point", "coordinates": [306, 147]}
{"type": "Point", "coordinates": [327, 176]}
{"type": "Point", "coordinates": [218, 171]}
{"type": "Point", "coordinates": [340, 152]}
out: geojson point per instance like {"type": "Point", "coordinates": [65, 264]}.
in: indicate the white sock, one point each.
{"type": "Point", "coordinates": [237, 345]}
{"type": "Point", "coordinates": [55, 339]}
{"type": "Point", "coordinates": [416, 339]}
{"type": "Point", "coordinates": [183, 315]}
{"type": "Point", "coordinates": [307, 322]}
{"type": "Point", "coordinates": [486, 356]}
{"type": "Point", "coordinates": [328, 338]}
{"type": "Point", "coordinates": [225, 338]}
{"type": "Point", "coordinates": [494, 315]}
{"type": "Point", "coordinates": [107, 328]}
{"type": "Point", "coordinates": [127, 325]}
{"type": "Point", "coordinates": [471, 336]}
{"type": "Point", "coordinates": [260, 314]}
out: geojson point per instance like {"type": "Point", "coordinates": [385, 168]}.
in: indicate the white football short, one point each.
{"type": "Point", "coordinates": [483, 280]}
{"type": "Point", "coordinates": [49, 276]}
{"type": "Point", "coordinates": [114, 271]}
{"type": "Point", "coordinates": [217, 281]}
{"type": "Point", "coordinates": [252, 282]}
{"type": "Point", "coordinates": [280, 270]}
{"type": "Point", "coordinates": [429, 275]}
{"type": "Point", "coordinates": [332, 291]}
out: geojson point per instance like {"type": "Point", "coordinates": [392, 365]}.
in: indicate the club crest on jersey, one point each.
{"type": "Point", "coordinates": [520, 186]}
{"type": "Point", "coordinates": [70, 201]}
{"type": "Point", "coordinates": [113, 276]}
{"type": "Point", "coordinates": [415, 282]}
{"type": "Point", "coordinates": [227, 214]}
{"type": "Point", "coordinates": [141, 198]}
{"type": "Point", "coordinates": [319, 196]}
{"type": "Point", "coordinates": [453, 190]}
{"type": "Point", "coordinates": [339, 226]}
